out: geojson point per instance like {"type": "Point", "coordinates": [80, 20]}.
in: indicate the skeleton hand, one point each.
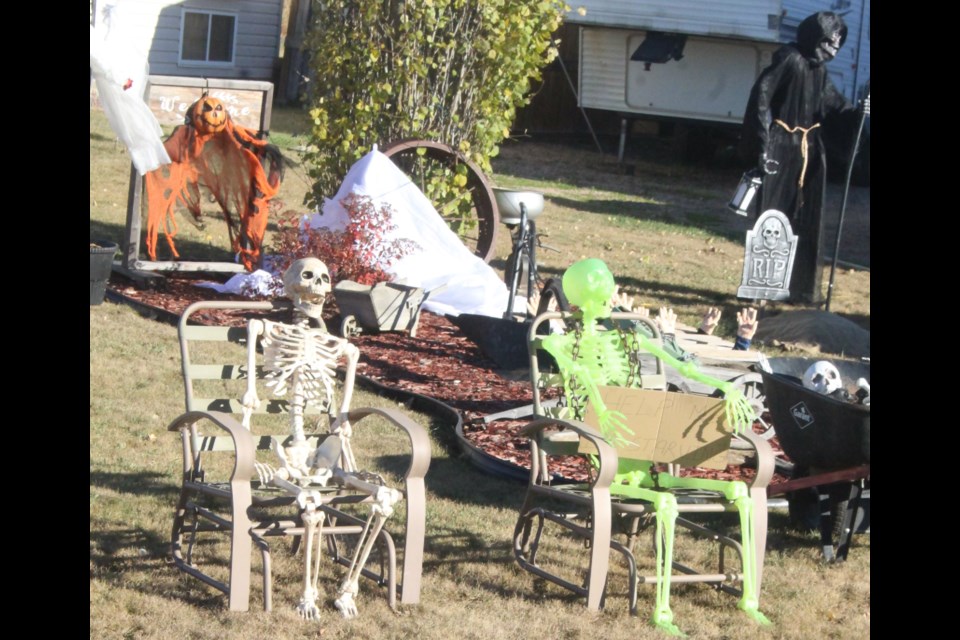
{"type": "Point", "coordinates": [710, 320]}
{"type": "Point", "coordinates": [265, 472]}
{"type": "Point", "coordinates": [621, 300]}
{"type": "Point", "coordinates": [769, 166]}
{"type": "Point", "coordinates": [533, 303]}
{"type": "Point", "coordinates": [739, 412]}
{"type": "Point", "coordinates": [667, 320]}
{"type": "Point", "coordinates": [612, 425]}
{"type": "Point", "coordinates": [747, 323]}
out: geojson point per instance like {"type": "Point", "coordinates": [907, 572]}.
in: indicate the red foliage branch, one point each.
{"type": "Point", "coordinates": [359, 252]}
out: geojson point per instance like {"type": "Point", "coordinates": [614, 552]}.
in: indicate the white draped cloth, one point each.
{"type": "Point", "coordinates": [472, 286]}
{"type": "Point", "coordinates": [115, 61]}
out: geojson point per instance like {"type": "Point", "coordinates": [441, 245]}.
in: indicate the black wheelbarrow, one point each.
{"type": "Point", "coordinates": [828, 440]}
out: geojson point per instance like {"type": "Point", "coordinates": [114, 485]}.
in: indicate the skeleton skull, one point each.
{"type": "Point", "coordinates": [822, 377]}
{"type": "Point", "coordinates": [771, 232]}
{"type": "Point", "coordinates": [830, 45]}
{"type": "Point", "coordinates": [307, 283]}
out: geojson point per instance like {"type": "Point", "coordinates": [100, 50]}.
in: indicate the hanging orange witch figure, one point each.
{"type": "Point", "coordinates": [241, 172]}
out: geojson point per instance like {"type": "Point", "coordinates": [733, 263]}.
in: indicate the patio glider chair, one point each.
{"type": "Point", "coordinates": [608, 515]}
{"type": "Point", "coordinates": [223, 495]}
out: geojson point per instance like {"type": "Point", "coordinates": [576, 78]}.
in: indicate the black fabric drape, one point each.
{"type": "Point", "coordinates": [789, 102]}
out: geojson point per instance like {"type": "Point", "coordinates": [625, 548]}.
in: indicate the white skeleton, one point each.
{"type": "Point", "coordinates": [300, 359]}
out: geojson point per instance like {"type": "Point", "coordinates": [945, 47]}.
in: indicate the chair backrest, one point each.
{"type": "Point", "coordinates": [214, 362]}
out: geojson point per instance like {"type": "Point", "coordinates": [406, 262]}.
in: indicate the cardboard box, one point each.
{"type": "Point", "coordinates": [680, 428]}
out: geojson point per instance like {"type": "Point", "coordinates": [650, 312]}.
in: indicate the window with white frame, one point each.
{"type": "Point", "coordinates": [207, 38]}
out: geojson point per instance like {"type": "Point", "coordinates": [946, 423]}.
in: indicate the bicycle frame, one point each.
{"type": "Point", "coordinates": [524, 246]}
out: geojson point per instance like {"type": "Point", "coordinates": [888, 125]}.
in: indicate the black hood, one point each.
{"type": "Point", "coordinates": [815, 29]}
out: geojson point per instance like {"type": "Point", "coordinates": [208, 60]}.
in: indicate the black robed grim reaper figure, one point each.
{"type": "Point", "coordinates": [789, 102]}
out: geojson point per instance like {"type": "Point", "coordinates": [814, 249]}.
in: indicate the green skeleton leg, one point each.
{"type": "Point", "coordinates": [666, 518]}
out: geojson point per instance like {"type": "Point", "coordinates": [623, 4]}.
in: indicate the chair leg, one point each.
{"type": "Point", "coordinates": [241, 545]}
{"type": "Point", "coordinates": [267, 572]}
{"type": "Point", "coordinates": [599, 548]}
{"type": "Point", "coordinates": [414, 542]}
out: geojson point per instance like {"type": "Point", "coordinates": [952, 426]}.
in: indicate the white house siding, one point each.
{"type": "Point", "coordinates": [850, 70]}
{"type": "Point", "coordinates": [257, 47]}
{"type": "Point", "coordinates": [745, 19]}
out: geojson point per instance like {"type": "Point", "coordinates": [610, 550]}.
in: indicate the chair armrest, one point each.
{"type": "Point", "coordinates": [765, 458]}
{"type": "Point", "coordinates": [605, 451]}
{"type": "Point", "coordinates": [419, 440]}
{"type": "Point", "coordinates": [243, 444]}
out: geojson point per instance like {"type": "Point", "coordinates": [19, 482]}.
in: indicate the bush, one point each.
{"type": "Point", "coordinates": [453, 71]}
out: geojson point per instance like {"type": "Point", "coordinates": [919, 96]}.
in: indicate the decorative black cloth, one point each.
{"type": "Point", "coordinates": [789, 102]}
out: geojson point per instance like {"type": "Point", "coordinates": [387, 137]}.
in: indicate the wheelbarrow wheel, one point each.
{"type": "Point", "coordinates": [456, 187]}
{"type": "Point", "coordinates": [751, 384]}
{"type": "Point", "coordinates": [349, 327]}
{"type": "Point", "coordinates": [552, 297]}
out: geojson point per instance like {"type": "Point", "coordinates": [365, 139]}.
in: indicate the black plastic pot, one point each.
{"type": "Point", "coordinates": [101, 264]}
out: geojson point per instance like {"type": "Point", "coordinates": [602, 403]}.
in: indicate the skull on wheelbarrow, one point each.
{"type": "Point", "coordinates": [822, 377]}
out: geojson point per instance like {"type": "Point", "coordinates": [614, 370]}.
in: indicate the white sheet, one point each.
{"type": "Point", "coordinates": [114, 60]}
{"type": "Point", "coordinates": [473, 286]}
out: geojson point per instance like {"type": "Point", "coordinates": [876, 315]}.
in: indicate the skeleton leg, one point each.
{"type": "Point", "coordinates": [313, 523]}
{"type": "Point", "coordinates": [382, 509]}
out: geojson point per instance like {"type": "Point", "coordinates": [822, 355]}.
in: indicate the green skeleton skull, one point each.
{"type": "Point", "coordinates": [591, 357]}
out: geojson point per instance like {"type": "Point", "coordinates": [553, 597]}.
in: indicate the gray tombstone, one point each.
{"type": "Point", "coordinates": [768, 258]}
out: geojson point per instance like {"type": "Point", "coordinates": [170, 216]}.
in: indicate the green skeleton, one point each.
{"type": "Point", "coordinates": [591, 357]}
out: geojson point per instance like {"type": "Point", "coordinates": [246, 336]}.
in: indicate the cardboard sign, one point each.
{"type": "Point", "coordinates": [687, 429]}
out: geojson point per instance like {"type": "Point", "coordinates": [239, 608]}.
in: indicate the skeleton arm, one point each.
{"type": "Point", "coordinates": [250, 402]}
{"type": "Point", "coordinates": [343, 427]}
{"type": "Point", "coordinates": [740, 414]}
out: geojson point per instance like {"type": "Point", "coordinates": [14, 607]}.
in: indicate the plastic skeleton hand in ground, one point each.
{"type": "Point", "coordinates": [589, 357]}
{"type": "Point", "coordinates": [300, 360]}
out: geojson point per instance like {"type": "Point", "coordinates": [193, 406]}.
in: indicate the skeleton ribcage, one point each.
{"type": "Point", "coordinates": [304, 356]}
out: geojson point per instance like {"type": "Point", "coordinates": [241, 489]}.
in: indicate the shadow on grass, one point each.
{"type": "Point", "coordinates": [142, 483]}
{"type": "Point", "coordinates": [721, 226]}
{"type": "Point", "coordinates": [456, 479]}
{"type": "Point", "coordinates": [133, 558]}
{"type": "Point", "coordinates": [189, 250]}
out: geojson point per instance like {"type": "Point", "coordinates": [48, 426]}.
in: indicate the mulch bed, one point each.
{"type": "Point", "coordinates": [440, 363]}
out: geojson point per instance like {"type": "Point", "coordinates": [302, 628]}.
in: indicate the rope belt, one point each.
{"type": "Point", "coordinates": [803, 145]}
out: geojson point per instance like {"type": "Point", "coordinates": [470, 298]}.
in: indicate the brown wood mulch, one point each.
{"type": "Point", "coordinates": [440, 363]}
